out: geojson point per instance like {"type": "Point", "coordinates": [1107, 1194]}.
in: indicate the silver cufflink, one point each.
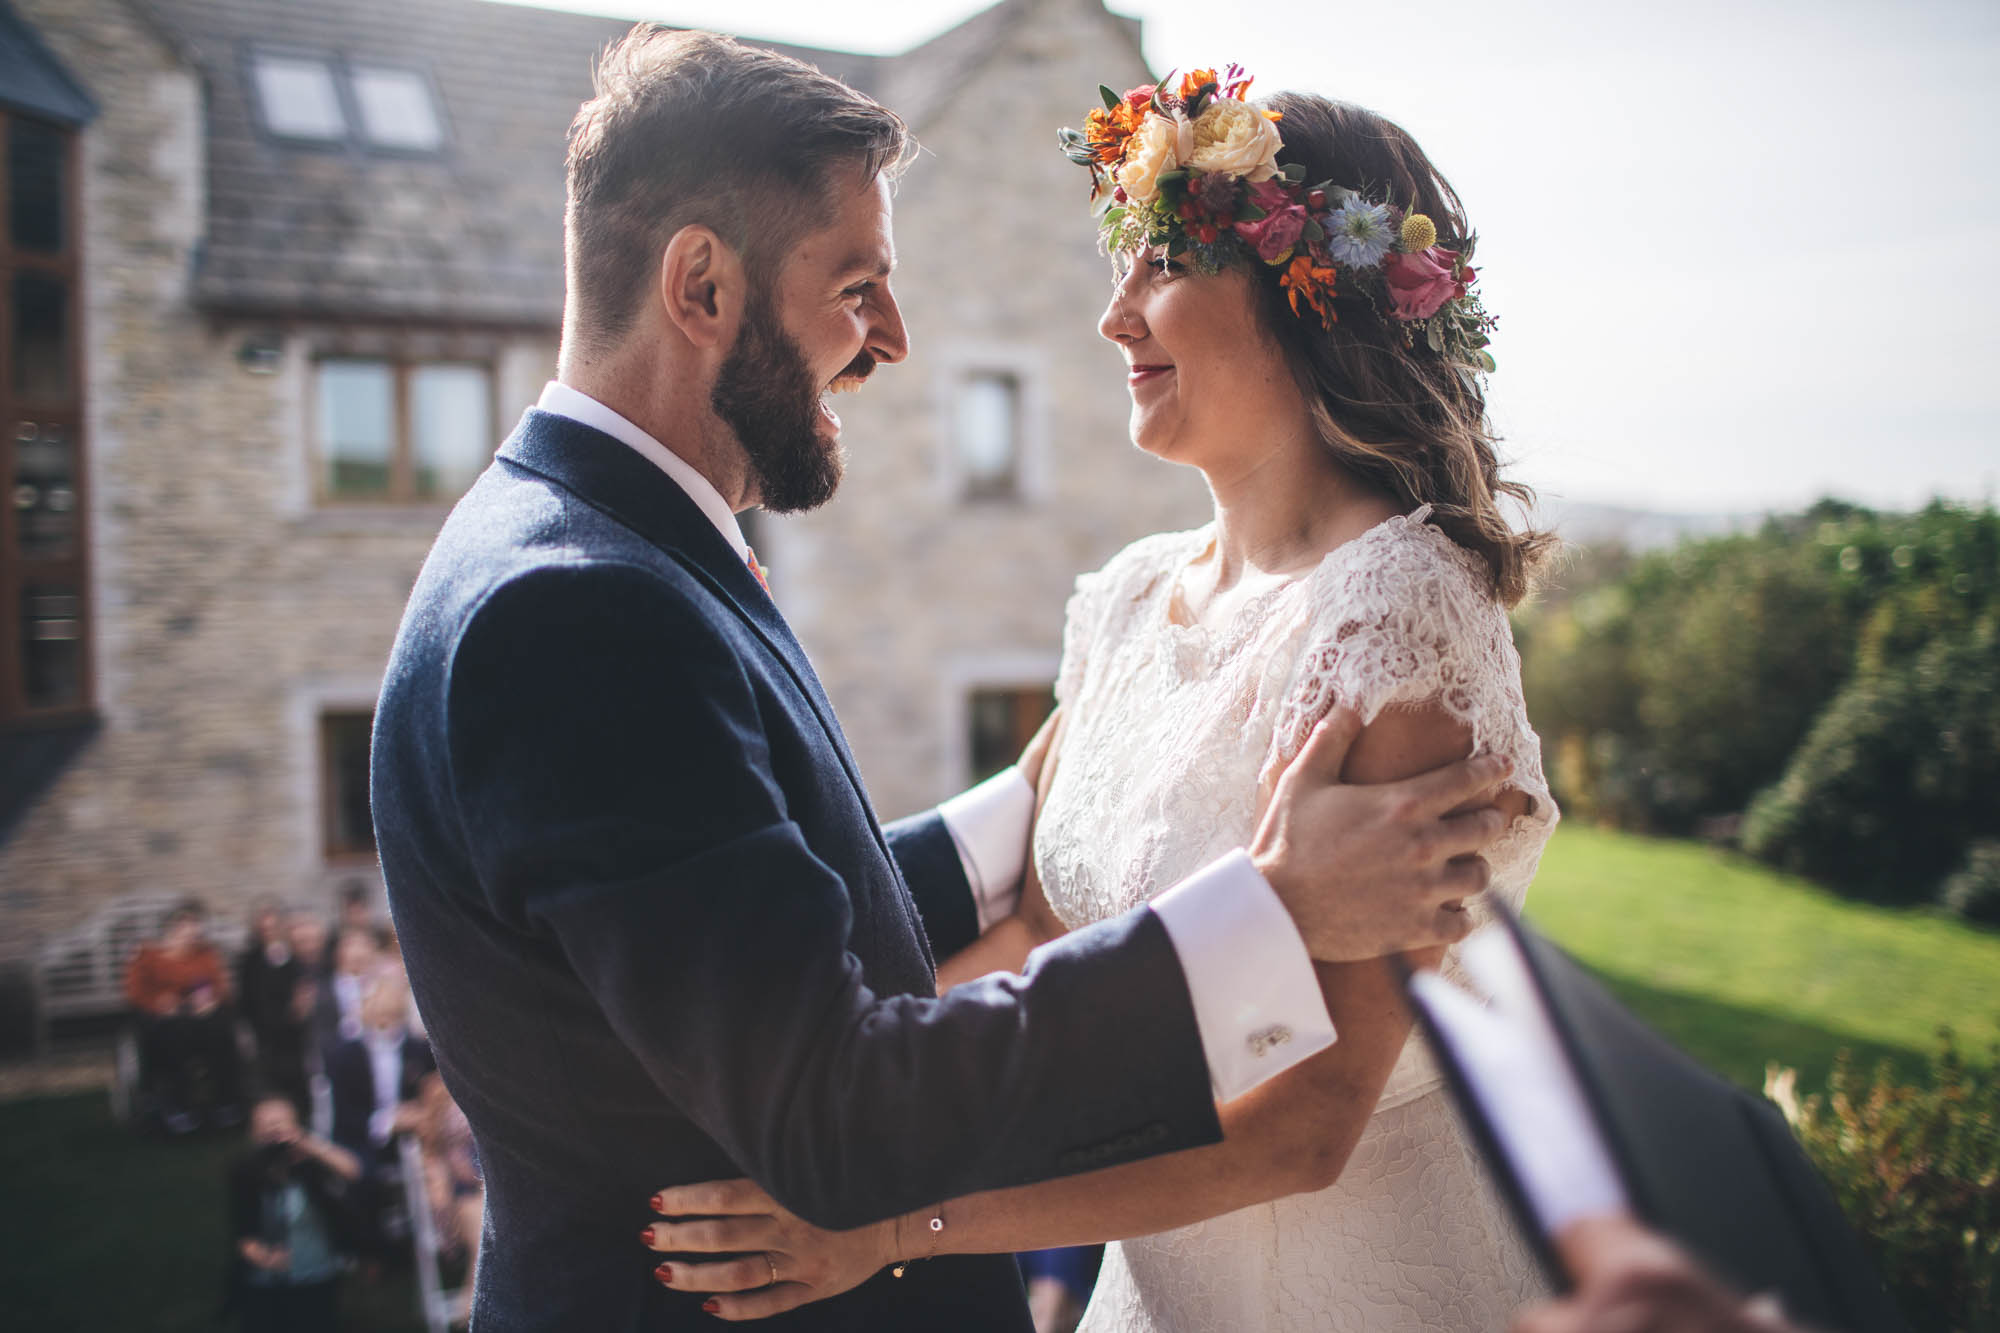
{"type": "Point", "coordinates": [1263, 1040]}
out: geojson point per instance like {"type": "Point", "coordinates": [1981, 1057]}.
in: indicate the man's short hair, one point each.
{"type": "Point", "coordinates": [188, 909]}
{"type": "Point", "coordinates": [693, 128]}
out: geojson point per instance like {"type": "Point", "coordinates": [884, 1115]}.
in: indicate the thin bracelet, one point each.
{"type": "Point", "coordinates": [937, 1229]}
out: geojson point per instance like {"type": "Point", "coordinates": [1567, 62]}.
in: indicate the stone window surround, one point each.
{"type": "Point", "coordinates": [1026, 364]}
{"type": "Point", "coordinates": [962, 675]}
{"type": "Point", "coordinates": [306, 702]}
{"type": "Point", "coordinates": [404, 348]}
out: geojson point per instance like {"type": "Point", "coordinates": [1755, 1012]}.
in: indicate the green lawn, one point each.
{"type": "Point", "coordinates": [1740, 965]}
{"type": "Point", "coordinates": [103, 1229]}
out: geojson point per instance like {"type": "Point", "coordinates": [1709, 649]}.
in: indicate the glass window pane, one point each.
{"type": "Point", "coordinates": [344, 739]}
{"type": "Point", "coordinates": [51, 646]}
{"type": "Point", "coordinates": [1002, 722]}
{"type": "Point", "coordinates": [298, 98]}
{"type": "Point", "coordinates": [451, 428]}
{"type": "Point", "coordinates": [357, 426]}
{"type": "Point", "coordinates": [36, 162]}
{"type": "Point", "coordinates": [43, 490]}
{"type": "Point", "coordinates": [396, 109]}
{"type": "Point", "coordinates": [988, 409]}
{"type": "Point", "coordinates": [41, 338]}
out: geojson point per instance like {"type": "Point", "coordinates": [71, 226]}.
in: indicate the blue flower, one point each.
{"type": "Point", "coordinates": [1359, 233]}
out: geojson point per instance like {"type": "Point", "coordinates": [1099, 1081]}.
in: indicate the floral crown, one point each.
{"type": "Point", "coordinates": [1197, 170]}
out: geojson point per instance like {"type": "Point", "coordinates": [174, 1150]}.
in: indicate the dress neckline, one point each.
{"type": "Point", "coordinates": [1241, 623]}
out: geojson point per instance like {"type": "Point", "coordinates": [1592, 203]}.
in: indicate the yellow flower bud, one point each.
{"type": "Point", "coordinates": [1419, 234]}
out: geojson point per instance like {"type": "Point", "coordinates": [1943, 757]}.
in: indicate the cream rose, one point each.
{"type": "Point", "coordinates": [1237, 139]}
{"type": "Point", "coordinates": [1148, 154]}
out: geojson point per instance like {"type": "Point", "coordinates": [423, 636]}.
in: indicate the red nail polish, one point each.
{"type": "Point", "coordinates": [711, 1306]}
{"type": "Point", "coordinates": [646, 1237]}
{"type": "Point", "coordinates": [665, 1272]}
{"type": "Point", "coordinates": [658, 1201]}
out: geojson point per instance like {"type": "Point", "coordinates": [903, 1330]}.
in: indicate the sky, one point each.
{"type": "Point", "coordinates": [1738, 247]}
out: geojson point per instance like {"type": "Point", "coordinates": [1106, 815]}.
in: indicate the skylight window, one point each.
{"type": "Point", "coordinates": [397, 110]}
{"type": "Point", "coordinates": [298, 97]}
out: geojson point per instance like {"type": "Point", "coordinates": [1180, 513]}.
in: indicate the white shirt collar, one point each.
{"type": "Point", "coordinates": [578, 406]}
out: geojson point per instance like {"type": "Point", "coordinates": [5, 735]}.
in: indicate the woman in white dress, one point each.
{"type": "Point", "coordinates": [1294, 305]}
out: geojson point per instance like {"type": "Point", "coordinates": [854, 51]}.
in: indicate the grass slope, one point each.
{"type": "Point", "coordinates": [1740, 965]}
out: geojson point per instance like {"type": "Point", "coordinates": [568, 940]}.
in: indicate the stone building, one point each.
{"type": "Point", "coordinates": [281, 275]}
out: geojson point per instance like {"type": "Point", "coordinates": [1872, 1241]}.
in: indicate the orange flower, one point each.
{"type": "Point", "coordinates": [1303, 278]}
{"type": "Point", "coordinates": [1106, 131]}
{"type": "Point", "coordinates": [1192, 81]}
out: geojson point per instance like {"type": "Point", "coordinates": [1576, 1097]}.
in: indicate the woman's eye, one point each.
{"type": "Point", "coordinates": [1166, 267]}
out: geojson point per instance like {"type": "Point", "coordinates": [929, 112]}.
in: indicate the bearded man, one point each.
{"type": "Point", "coordinates": [655, 930]}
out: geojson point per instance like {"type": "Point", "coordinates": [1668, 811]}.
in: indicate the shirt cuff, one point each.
{"type": "Point", "coordinates": [990, 825]}
{"type": "Point", "coordinates": [1257, 1001]}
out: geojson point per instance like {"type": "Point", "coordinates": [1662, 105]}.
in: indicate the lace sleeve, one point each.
{"type": "Point", "coordinates": [1404, 616]}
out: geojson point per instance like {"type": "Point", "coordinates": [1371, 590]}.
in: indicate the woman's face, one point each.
{"type": "Point", "coordinates": [1208, 382]}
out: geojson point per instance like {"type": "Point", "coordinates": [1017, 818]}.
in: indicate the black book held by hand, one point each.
{"type": "Point", "coordinates": [1580, 1108]}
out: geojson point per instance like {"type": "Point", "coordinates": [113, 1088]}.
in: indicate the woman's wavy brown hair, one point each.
{"type": "Point", "coordinates": [1392, 411]}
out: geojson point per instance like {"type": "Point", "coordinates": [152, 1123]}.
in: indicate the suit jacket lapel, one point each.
{"type": "Point", "coordinates": [607, 475]}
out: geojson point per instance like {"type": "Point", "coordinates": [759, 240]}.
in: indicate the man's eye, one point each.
{"type": "Point", "coordinates": [860, 292]}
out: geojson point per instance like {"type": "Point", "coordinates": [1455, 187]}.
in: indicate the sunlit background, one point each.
{"type": "Point", "coordinates": [281, 273]}
{"type": "Point", "coordinates": [1739, 250]}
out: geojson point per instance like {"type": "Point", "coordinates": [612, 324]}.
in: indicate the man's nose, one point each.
{"type": "Point", "coordinates": [888, 340]}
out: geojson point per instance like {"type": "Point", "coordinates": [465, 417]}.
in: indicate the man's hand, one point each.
{"type": "Point", "coordinates": [1632, 1281]}
{"type": "Point", "coordinates": [1372, 870]}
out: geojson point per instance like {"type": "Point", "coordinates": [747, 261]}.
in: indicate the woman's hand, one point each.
{"type": "Point", "coordinates": [782, 1261]}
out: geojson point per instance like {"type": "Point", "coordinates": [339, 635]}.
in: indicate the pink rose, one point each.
{"type": "Point", "coordinates": [1274, 233]}
{"type": "Point", "coordinates": [1269, 195]}
{"type": "Point", "coordinates": [1420, 285]}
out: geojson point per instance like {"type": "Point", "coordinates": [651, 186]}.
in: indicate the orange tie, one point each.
{"type": "Point", "coordinates": [758, 570]}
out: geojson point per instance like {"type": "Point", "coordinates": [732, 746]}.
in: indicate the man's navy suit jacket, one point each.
{"type": "Point", "coordinates": [658, 935]}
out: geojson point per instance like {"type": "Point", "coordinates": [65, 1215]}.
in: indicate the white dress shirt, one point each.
{"type": "Point", "coordinates": [385, 1061]}
{"type": "Point", "coordinates": [1257, 1001]}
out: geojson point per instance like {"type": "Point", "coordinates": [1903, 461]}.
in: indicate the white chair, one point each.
{"type": "Point", "coordinates": [439, 1305]}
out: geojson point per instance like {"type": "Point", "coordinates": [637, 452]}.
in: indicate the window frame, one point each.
{"type": "Point", "coordinates": [18, 572]}
{"type": "Point", "coordinates": [401, 494]}
{"type": "Point", "coordinates": [341, 68]}
{"type": "Point", "coordinates": [332, 854]}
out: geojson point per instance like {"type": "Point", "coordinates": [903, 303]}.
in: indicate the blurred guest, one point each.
{"type": "Point", "coordinates": [373, 1079]}
{"type": "Point", "coordinates": [268, 976]}
{"type": "Point", "coordinates": [354, 910]}
{"type": "Point", "coordinates": [308, 936]}
{"type": "Point", "coordinates": [1059, 1284]}
{"type": "Point", "coordinates": [355, 956]}
{"type": "Point", "coordinates": [454, 1186]}
{"type": "Point", "coordinates": [377, 1072]}
{"type": "Point", "coordinates": [291, 1223]}
{"type": "Point", "coordinates": [180, 992]}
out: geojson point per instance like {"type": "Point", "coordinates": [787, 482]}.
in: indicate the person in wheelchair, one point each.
{"type": "Point", "coordinates": [180, 994]}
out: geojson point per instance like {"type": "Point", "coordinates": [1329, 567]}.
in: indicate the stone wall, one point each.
{"type": "Point", "coordinates": [229, 608]}
{"type": "Point", "coordinates": [905, 595]}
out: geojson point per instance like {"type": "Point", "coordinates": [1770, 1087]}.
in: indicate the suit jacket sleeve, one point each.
{"type": "Point", "coordinates": [616, 792]}
{"type": "Point", "coordinates": [935, 872]}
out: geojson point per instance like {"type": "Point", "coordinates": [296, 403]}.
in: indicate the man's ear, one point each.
{"type": "Point", "coordinates": [703, 286]}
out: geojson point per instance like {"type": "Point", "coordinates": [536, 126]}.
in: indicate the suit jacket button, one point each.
{"type": "Point", "coordinates": [1264, 1039]}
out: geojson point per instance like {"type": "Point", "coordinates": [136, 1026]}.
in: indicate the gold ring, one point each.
{"type": "Point", "coordinates": [774, 1267]}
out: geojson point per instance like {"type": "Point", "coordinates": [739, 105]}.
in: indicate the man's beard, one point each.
{"type": "Point", "coordinates": [766, 394]}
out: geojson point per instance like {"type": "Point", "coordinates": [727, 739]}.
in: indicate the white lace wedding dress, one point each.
{"type": "Point", "coordinates": [1170, 730]}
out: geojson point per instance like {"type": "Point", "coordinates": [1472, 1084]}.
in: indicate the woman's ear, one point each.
{"type": "Point", "coordinates": [703, 286]}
